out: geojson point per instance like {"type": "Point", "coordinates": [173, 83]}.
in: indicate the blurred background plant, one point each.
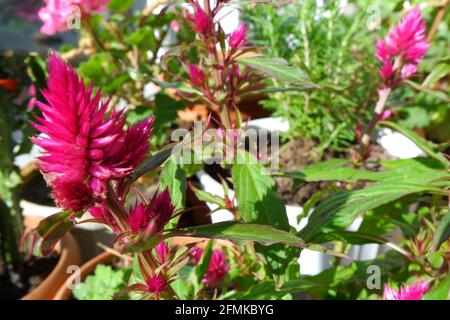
{"type": "Point", "coordinates": [17, 98]}
{"type": "Point", "coordinates": [333, 42]}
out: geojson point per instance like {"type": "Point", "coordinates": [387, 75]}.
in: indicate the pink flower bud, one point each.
{"type": "Point", "coordinates": [238, 37]}
{"type": "Point", "coordinates": [203, 22]}
{"type": "Point", "coordinates": [197, 75]}
{"type": "Point", "coordinates": [156, 284]}
{"type": "Point", "coordinates": [386, 115]}
{"type": "Point", "coordinates": [162, 252]}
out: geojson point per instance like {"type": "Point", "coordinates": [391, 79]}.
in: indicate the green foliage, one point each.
{"type": "Point", "coordinates": [257, 200]}
{"type": "Point", "coordinates": [103, 285]}
{"type": "Point", "coordinates": [331, 50]}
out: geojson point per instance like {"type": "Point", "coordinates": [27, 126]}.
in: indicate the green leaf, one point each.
{"type": "Point", "coordinates": [439, 292]}
{"type": "Point", "coordinates": [268, 289]}
{"type": "Point", "coordinates": [102, 285]}
{"type": "Point", "coordinates": [351, 237]}
{"type": "Point", "coordinates": [152, 162]}
{"type": "Point", "coordinates": [142, 38]}
{"type": "Point", "coordinates": [255, 193]}
{"type": "Point", "coordinates": [241, 233]}
{"type": "Point", "coordinates": [439, 71]}
{"type": "Point", "coordinates": [442, 232]}
{"type": "Point", "coordinates": [279, 69]}
{"type": "Point", "coordinates": [173, 177]}
{"type": "Point", "coordinates": [166, 111]}
{"type": "Point", "coordinates": [328, 171]}
{"type": "Point", "coordinates": [426, 146]}
{"type": "Point", "coordinates": [341, 208]}
{"type": "Point", "coordinates": [202, 267]}
{"type": "Point", "coordinates": [120, 6]}
{"type": "Point", "coordinates": [208, 197]}
{"type": "Point", "coordinates": [42, 240]}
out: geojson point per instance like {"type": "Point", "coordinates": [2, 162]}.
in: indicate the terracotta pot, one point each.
{"type": "Point", "coordinates": [69, 254]}
{"type": "Point", "coordinates": [64, 292]}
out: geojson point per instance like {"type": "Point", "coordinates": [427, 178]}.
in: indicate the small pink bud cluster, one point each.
{"type": "Point", "coordinates": [217, 268]}
{"type": "Point", "coordinates": [57, 14]}
{"type": "Point", "coordinates": [203, 22]}
{"type": "Point", "coordinates": [197, 75]}
{"type": "Point", "coordinates": [238, 37]}
{"type": "Point", "coordinates": [415, 291]}
{"type": "Point", "coordinates": [401, 51]}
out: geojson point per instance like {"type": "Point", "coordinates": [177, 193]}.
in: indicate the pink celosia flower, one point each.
{"type": "Point", "coordinates": [57, 13]}
{"type": "Point", "coordinates": [202, 21]}
{"type": "Point", "coordinates": [162, 252]}
{"type": "Point", "coordinates": [404, 47]}
{"type": "Point", "coordinates": [156, 284]}
{"type": "Point", "coordinates": [217, 269]}
{"type": "Point", "coordinates": [413, 292]}
{"type": "Point", "coordinates": [83, 146]}
{"type": "Point", "coordinates": [152, 218]}
{"type": "Point", "coordinates": [196, 74]}
{"type": "Point", "coordinates": [238, 36]}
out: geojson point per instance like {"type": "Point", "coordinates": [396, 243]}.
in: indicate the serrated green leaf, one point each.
{"type": "Point", "coordinates": [256, 198]}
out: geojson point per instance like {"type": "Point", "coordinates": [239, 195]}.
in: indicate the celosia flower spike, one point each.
{"type": "Point", "coordinates": [404, 47]}
{"type": "Point", "coordinates": [83, 146]}
{"type": "Point", "coordinates": [415, 291]}
{"type": "Point", "coordinates": [152, 218]}
{"type": "Point", "coordinates": [238, 37]}
{"type": "Point", "coordinates": [217, 269]}
{"type": "Point", "coordinates": [203, 22]}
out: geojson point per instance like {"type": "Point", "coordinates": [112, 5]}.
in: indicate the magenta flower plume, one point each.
{"type": "Point", "coordinates": [196, 74]}
{"type": "Point", "coordinates": [83, 145]}
{"type": "Point", "coordinates": [404, 47]}
{"type": "Point", "coordinates": [217, 269]}
{"type": "Point", "coordinates": [152, 217]}
{"type": "Point", "coordinates": [238, 37]}
{"type": "Point", "coordinates": [413, 292]}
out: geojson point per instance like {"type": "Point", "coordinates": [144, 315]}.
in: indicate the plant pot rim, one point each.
{"type": "Point", "coordinates": [69, 254]}
{"type": "Point", "coordinates": [64, 292]}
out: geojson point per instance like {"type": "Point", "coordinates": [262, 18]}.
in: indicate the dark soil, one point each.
{"type": "Point", "coordinates": [36, 190]}
{"type": "Point", "coordinates": [35, 270]}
